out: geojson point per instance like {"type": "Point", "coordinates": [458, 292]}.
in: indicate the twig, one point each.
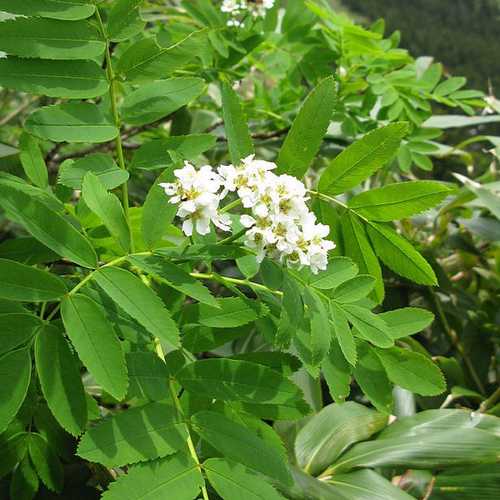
{"type": "Point", "coordinates": [490, 402]}
{"type": "Point", "coordinates": [18, 111]}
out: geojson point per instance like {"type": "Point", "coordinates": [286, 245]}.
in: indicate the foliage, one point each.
{"type": "Point", "coordinates": [137, 362]}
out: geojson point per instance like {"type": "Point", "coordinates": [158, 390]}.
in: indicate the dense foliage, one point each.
{"type": "Point", "coordinates": [227, 267]}
{"type": "Point", "coordinates": [463, 34]}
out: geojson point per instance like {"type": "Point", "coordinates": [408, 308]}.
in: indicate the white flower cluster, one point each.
{"type": "Point", "coordinates": [238, 9]}
{"type": "Point", "coordinates": [280, 224]}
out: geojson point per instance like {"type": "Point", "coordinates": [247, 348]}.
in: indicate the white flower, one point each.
{"type": "Point", "coordinates": [196, 192]}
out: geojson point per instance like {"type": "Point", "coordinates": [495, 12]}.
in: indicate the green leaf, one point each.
{"type": "Point", "coordinates": [368, 325]}
{"type": "Point", "coordinates": [292, 310]}
{"type": "Point", "coordinates": [334, 429]}
{"type": "Point", "coordinates": [107, 207]}
{"type": "Point", "coordinates": [449, 86]}
{"type": "Point", "coordinates": [372, 378]}
{"type": "Point", "coordinates": [28, 284]}
{"type": "Point", "coordinates": [354, 289]}
{"type": "Point", "coordinates": [14, 447]}
{"type": "Point", "coordinates": [337, 373]}
{"type": "Point", "coordinates": [155, 154]}
{"type": "Point", "coordinates": [235, 124]}
{"type": "Point", "coordinates": [60, 380]}
{"type": "Point", "coordinates": [157, 211]}
{"type": "Point", "coordinates": [206, 253]}
{"type": "Point", "coordinates": [339, 269]}
{"type": "Point", "coordinates": [134, 435]}
{"type": "Point", "coordinates": [50, 39]}
{"type": "Point", "coordinates": [140, 302]}
{"type": "Point", "coordinates": [32, 159]}
{"type": "Point", "coordinates": [240, 444]}
{"type": "Point", "coordinates": [71, 122]}
{"type": "Point", "coordinates": [230, 312]}
{"type": "Point", "coordinates": [64, 79]}
{"type": "Point", "coordinates": [366, 485]}
{"type": "Point", "coordinates": [235, 380]}
{"type": "Point", "coordinates": [146, 59]}
{"type": "Point", "coordinates": [358, 248]}
{"type": "Point", "coordinates": [69, 10]}
{"type": "Point", "coordinates": [407, 321]}
{"type": "Point", "coordinates": [72, 172]}
{"type": "Point", "coordinates": [96, 343]}
{"type": "Point", "coordinates": [24, 483]}
{"type": "Point", "coordinates": [487, 197]}
{"type": "Point", "coordinates": [308, 129]}
{"type": "Point", "coordinates": [175, 277]}
{"type": "Point", "coordinates": [148, 376]}
{"type": "Point", "coordinates": [412, 371]}
{"type": "Point", "coordinates": [46, 462]}
{"type": "Point", "coordinates": [399, 200]}
{"type": "Point", "coordinates": [343, 333]}
{"type": "Point", "coordinates": [360, 160]}
{"type": "Point", "coordinates": [27, 250]}
{"type": "Point", "coordinates": [434, 450]}
{"type": "Point", "coordinates": [232, 480]}
{"type": "Point", "coordinates": [17, 329]}
{"type": "Point", "coordinates": [156, 100]}
{"type": "Point", "coordinates": [399, 255]}
{"type": "Point", "coordinates": [15, 376]}
{"type": "Point", "coordinates": [177, 477]}
{"type": "Point", "coordinates": [124, 20]}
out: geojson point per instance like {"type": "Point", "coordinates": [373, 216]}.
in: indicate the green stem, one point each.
{"type": "Point", "coordinates": [331, 199]}
{"type": "Point", "coordinates": [490, 402]}
{"type": "Point", "coordinates": [180, 411]}
{"type": "Point", "coordinates": [230, 206]}
{"type": "Point", "coordinates": [117, 121]}
{"type": "Point", "coordinates": [232, 238]}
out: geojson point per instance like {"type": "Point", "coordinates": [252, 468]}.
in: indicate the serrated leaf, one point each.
{"type": "Point", "coordinates": [107, 207]}
{"type": "Point", "coordinates": [358, 248]}
{"type": "Point", "coordinates": [63, 79]}
{"type": "Point", "coordinates": [399, 255]}
{"type": "Point", "coordinates": [339, 269]}
{"type": "Point", "coordinates": [330, 432]}
{"type": "Point", "coordinates": [292, 310]}
{"type": "Point", "coordinates": [14, 448]}
{"type": "Point", "coordinates": [240, 444]}
{"type": "Point", "coordinates": [17, 329]}
{"type": "Point", "coordinates": [155, 154]}
{"type": "Point", "coordinates": [343, 333]}
{"type": "Point", "coordinates": [72, 172]}
{"type": "Point", "coordinates": [156, 100]}
{"type": "Point", "coordinates": [178, 477]}
{"type": "Point", "coordinates": [134, 435]}
{"type": "Point", "coordinates": [50, 39]}
{"type": "Point", "coordinates": [354, 289]}
{"type": "Point", "coordinates": [399, 200]}
{"type": "Point", "coordinates": [69, 10]}
{"type": "Point", "coordinates": [175, 277]}
{"type": "Point", "coordinates": [230, 312]}
{"type": "Point", "coordinates": [308, 129]}
{"type": "Point", "coordinates": [407, 321]}
{"type": "Point", "coordinates": [147, 60]}
{"type": "Point", "coordinates": [236, 380]}
{"type": "Point", "coordinates": [368, 325]}
{"type": "Point", "coordinates": [372, 378]}
{"type": "Point", "coordinates": [412, 371]}
{"type": "Point", "coordinates": [47, 226]}
{"type": "Point", "coordinates": [124, 20]}
{"type": "Point", "coordinates": [71, 122]}
{"type": "Point", "coordinates": [24, 483]}
{"type": "Point", "coordinates": [96, 343]}
{"type": "Point", "coordinates": [28, 284]}
{"type": "Point", "coordinates": [337, 372]}
{"type": "Point", "coordinates": [31, 158]}
{"type": "Point", "coordinates": [15, 376]}
{"type": "Point", "coordinates": [60, 380]}
{"type": "Point", "coordinates": [148, 376]}
{"type": "Point", "coordinates": [360, 160]}
{"type": "Point", "coordinates": [46, 462]}
{"type": "Point", "coordinates": [235, 125]}
{"type": "Point", "coordinates": [139, 301]}
{"type": "Point", "coordinates": [206, 253]}
{"type": "Point", "coordinates": [232, 480]}
{"type": "Point", "coordinates": [27, 250]}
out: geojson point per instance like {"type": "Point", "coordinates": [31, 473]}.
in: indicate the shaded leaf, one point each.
{"type": "Point", "coordinates": [31, 158]}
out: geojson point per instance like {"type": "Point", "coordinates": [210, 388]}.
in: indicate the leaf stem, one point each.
{"type": "Point", "coordinates": [180, 411]}
{"type": "Point", "coordinates": [230, 206]}
{"type": "Point", "coordinates": [116, 118]}
{"type": "Point", "coordinates": [490, 402]}
{"type": "Point", "coordinates": [232, 238]}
